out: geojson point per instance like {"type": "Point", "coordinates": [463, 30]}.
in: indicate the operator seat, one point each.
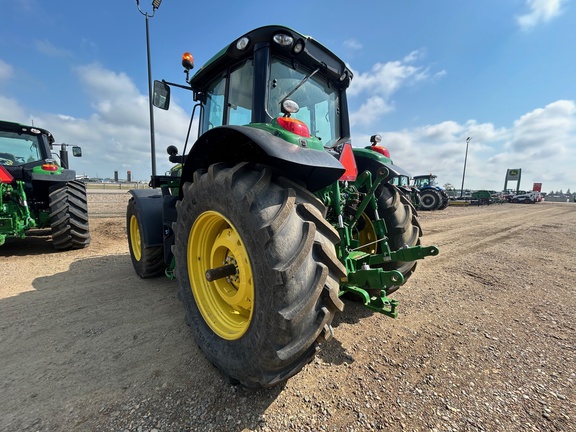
{"type": "Point", "coordinates": [8, 156]}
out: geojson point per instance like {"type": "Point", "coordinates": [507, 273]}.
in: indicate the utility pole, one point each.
{"type": "Point", "coordinates": [155, 5]}
{"type": "Point", "coordinates": [464, 172]}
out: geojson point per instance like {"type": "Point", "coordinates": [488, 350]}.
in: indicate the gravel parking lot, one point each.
{"type": "Point", "coordinates": [485, 339]}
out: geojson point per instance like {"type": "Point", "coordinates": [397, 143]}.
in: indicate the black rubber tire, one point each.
{"type": "Point", "coordinates": [403, 228]}
{"type": "Point", "coordinates": [69, 216]}
{"type": "Point", "coordinates": [295, 271]}
{"type": "Point", "coordinates": [430, 200]}
{"type": "Point", "coordinates": [445, 200]}
{"type": "Point", "coordinates": [148, 261]}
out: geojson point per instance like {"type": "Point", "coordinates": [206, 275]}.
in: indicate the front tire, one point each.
{"type": "Point", "coordinates": [69, 216]}
{"type": "Point", "coordinates": [262, 323]}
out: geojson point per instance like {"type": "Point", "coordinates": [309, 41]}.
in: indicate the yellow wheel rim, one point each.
{"type": "Point", "coordinates": [135, 240]}
{"type": "Point", "coordinates": [226, 304]}
{"type": "Point", "coordinates": [367, 235]}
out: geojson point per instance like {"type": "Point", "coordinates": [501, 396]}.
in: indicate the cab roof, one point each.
{"type": "Point", "coordinates": [312, 56]}
{"type": "Point", "coordinates": [20, 128]}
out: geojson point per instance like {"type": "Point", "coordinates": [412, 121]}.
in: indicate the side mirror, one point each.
{"type": "Point", "coordinates": [76, 151]}
{"type": "Point", "coordinates": [161, 98]}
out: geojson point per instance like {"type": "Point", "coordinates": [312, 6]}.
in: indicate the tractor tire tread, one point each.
{"type": "Point", "coordinates": [69, 216]}
{"type": "Point", "coordinates": [296, 277]}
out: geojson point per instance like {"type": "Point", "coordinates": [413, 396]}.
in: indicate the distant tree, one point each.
{"type": "Point", "coordinates": [561, 193]}
{"type": "Point", "coordinates": [568, 192]}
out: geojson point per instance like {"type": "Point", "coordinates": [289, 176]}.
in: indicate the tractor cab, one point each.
{"type": "Point", "coordinates": [422, 181]}
{"type": "Point", "coordinates": [23, 147]}
{"type": "Point", "coordinates": [289, 91]}
{"type": "Point", "coordinates": [26, 152]}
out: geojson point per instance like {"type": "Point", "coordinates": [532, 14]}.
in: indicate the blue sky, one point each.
{"type": "Point", "coordinates": [428, 74]}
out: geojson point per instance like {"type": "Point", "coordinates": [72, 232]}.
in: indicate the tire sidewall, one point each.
{"type": "Point", "coordinates": [429, 200]}
{"type": "Point", "coordinates": [252, 358]}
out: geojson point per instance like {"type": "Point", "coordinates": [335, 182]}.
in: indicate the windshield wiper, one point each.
{"type": "Point", "coordinates": [306, 78]}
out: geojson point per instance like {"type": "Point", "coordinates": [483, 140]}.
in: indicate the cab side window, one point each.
{"type": "Point", "coordinates": [229, 98]}
{"type": "Point", "coordinates": [240, 95]}
{"type": "Point", "coordinates": [214, 107]}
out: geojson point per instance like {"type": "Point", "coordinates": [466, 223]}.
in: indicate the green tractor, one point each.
{"type": "Point", "coordinates": [272, 216]}
{"type": "Point", "coordinates": [37, 192]}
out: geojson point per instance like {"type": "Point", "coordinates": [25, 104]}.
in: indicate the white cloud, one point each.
{"type": "Point", "coordinates": [546, 132]}
{"type": "Point", "coordinates": [11, 111]}
{"type": "Point", "coordinates": [352, 44]}
{"type": "Point", "coordinates": [381, 82]}
{"type": "Point", "coordinates": [47, 48]}
{"type": "Point", "coordinates": [116, 135]}
{"type": "Point", "coordinates": [6, 71]}
{"type": "Point", "coordinates": [370, 111]}
{"type": "Point", "coordinates": [386, 78]}
{"type": "Point", "coordinates": [540, 11]}
{"type": "Point", "coordinates": [542, 143]}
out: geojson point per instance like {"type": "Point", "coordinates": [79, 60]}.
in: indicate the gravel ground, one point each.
{"type": "Point", "coordinates": [485, 339]}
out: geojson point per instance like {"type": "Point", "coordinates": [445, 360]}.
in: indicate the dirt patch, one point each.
{"type": "Point", "coordinates": [485, 339]}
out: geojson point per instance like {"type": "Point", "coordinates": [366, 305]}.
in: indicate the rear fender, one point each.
{"type": "Point", "coordinates": [149, 205]}
{"type": "Point", "coordinates": [370, 160]}
{"type": "Point", "coordinates": [234, 144]}
{"type": "Point", "coordinates": [64, 176]}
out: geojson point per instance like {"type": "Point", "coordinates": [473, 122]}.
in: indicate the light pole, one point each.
{"type": "Point", "coordinates": [155, 5]}
{"type": "Point", "coordinates": [464, 172]}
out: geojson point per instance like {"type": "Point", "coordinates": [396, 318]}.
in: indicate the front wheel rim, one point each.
{"type": "Point", "coordinates": [226, 304]}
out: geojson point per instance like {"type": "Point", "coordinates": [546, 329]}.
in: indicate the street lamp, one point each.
{"type": "Point", "coordinates": [464, 172]}
{"type": "Point", "coordinates": [155, 5]}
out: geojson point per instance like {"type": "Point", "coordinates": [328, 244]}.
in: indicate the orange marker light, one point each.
{"type": "Point", "coordinates": [50, 167]}
{"type": "Point", "coordinates": [187, 61]}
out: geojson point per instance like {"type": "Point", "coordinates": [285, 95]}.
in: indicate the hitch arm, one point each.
{"type": "Point", "coordinates": [413, 253]}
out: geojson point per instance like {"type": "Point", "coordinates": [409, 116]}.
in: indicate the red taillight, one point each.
{"type": "Point", "coordinates": [50, 167]}
{"type": "Point", "coordinates": [382, 150]}
{"type": "Point", "coordinates": [5, 176]}
{"type": "Point", "coordinates": [295, 126]}
{"type": "Point", "coordinates": [348, 161]}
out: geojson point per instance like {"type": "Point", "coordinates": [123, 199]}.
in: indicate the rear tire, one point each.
{"type": "Point", "coordinates": [445, 200]}
{"type": "Point", "coordinates": [69, 216]}
{"type": "Point", "coordinates": [430, 200]}
{"type": "Point", "coordinates": [148, 261]}
{"type": "Point", "coordinates": [262, 324]}
{"type": "Point", "coordinates": [403, 228]}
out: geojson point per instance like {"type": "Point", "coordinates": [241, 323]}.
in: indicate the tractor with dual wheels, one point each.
{"type": "Point", "coordinates": [430, 194]}
{"type": "Point", "coordinates": [272, 216]}
{"type": "Point", "coordinates": [37, 192]}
